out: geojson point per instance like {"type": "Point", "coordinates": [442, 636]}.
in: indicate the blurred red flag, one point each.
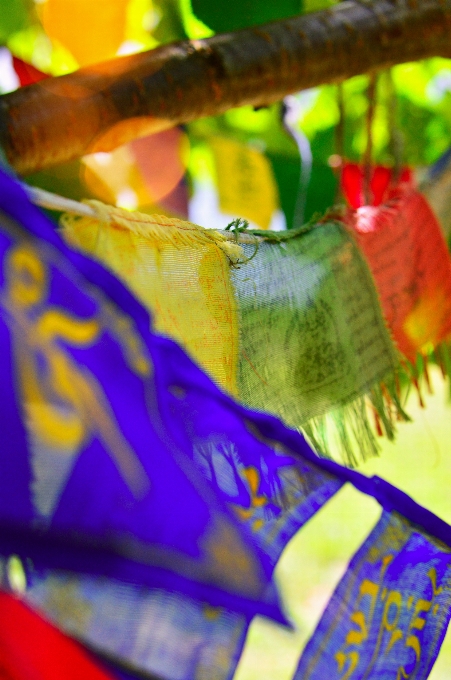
{"type": "Point", "coordinates": [33, 649]}
{"type": "Point", "coordinates": [381, 183]}
{"type": "Point", "coordinates": [408, 257]}
{"type": "Point", "coordinates": [27, 73]}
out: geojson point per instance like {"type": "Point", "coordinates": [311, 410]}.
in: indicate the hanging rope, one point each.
{"type": "Point", "coordinates": [367, 158]}
{"type": "Point", "coordinates": [396, 138]}
{"type": "Point", "coordinates": [340, 142]}
{"type": "Point", "coordinates": [45, 199]}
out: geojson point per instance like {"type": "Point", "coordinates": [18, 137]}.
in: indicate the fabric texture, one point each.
{"type": "Point", "coordinates": [102, 479]}
{"type": "Point", "coordinates": [152, 631]}
{"type": "Point", "coordinates": [389, 614]}
{"type": "Point", "coordinates": [179, 271]}
{"type": "Point", "coordinates": [271, 492]}
{"type": "Point", "coordinates": [70, 479]}
{"type": "Point", "coordinates": [247, 463]}
{"type": "Point", "coordinates": [312, 339]}
{"type": "Point", "coordinates": [409, 259]}
{"type": "Point", "coordinates": [33, 649]}
{"type": "Point", "coordinates": [290, 324]}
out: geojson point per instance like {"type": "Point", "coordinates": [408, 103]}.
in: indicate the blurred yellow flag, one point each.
{"type": "Point", "coordinates": [246, 183]}
{"type": "Point", "coordinates": [91, 31]}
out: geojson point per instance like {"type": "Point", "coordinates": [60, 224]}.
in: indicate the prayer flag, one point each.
{"type": "Point", "coordinates": [246, 183]}
{"type": "Point", "coordinates": [168, 633]}
{"type": "Point", "coordinates": [264, 488]}
{"type": "Point", "coordinates": [147, 173]}
{"type": "Point", "coordinates": [314, 345]}
{"type": "Point", "coordinates": [270, 491]}
{"type": "Point", "coordinates": [409, 259]}
{"type": "Point", "coordinates": [290, 323]}
{"type": "Point", "coordinates": [27, 73]}
{"type": "Point", "coordinates": [264, 473]}
{"type": "Point", "coordinates": [33, 649]}
{"type": "Point", "coordinates": [150, 251]}
{"type": "Point", "coordinates": [101, 479]}
{"type": "Point", "coordinates": [389, 614]}
{"type": "Point", "coordinates": [90, 36]}
{"type": "Point", "coordinates": [381, 183]}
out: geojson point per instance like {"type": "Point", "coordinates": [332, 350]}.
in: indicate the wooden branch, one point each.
{"type": "Point", "coordinates": [100, 107]}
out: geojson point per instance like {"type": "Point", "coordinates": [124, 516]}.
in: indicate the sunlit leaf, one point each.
{"type": "Point", "coordinates": [320, 111]}
{"type": "Point", "coordinates": [194, 27]}
{"type": "Point", "coordinates": [170, 26]}
{"type": "Point", "coordinates": [411, 81]}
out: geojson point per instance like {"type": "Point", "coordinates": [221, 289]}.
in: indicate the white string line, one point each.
{"type": "Point", "coordinates": [45, 199]}
{"type": "Point", "coordinates": [54, 202]}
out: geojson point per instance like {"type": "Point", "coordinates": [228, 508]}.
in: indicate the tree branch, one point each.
{"type": "Point", "coordinates": [100, 107]}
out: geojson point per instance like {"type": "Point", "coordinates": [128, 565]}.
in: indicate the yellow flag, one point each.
{"type": "Point", "coordinates": [246, 183]}
{"type": "Point", "coordinates": [180, 271]}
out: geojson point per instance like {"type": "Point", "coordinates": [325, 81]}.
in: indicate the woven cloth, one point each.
{"type": "Point", "coordinates": [389, 614]}
{"type": "Point", "coordinates": [313, 340]}
{"type": "Point", "coordinates": [238, 471]}
{"type": "Point", "coordinates": [30, 647]}
{"type": "Point", "coordinates": [290, 325]}
{"type": "Point", "coordinates": [408, 257]}
{"type": "Point", "coordinates": [179, 271]}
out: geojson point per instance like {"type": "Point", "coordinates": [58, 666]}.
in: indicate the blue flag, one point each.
{"type": "Point", "coordinates": [389, 614]}
{"type": "Point", "coordinates": [96, 471]}
{"type": "Point", "coordinates": [270, 491]}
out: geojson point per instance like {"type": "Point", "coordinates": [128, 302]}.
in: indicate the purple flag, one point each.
{"type": "Point", "coordinates": [96, 472]}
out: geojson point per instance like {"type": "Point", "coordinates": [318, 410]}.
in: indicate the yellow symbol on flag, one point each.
{"type": "Point", "coordinates": [246, 183]}
{"type": "Point", "coordinates": [257, 500]}
{"type": "Point", "coordinates": [65, 405]}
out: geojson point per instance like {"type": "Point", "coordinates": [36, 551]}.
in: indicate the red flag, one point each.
{"type": "Point", "coordinates": [381, 183]}
{"type": "Point", "coordinates": [409, 259]}
{"type": "Point", "coordinates": [27, 73]}
{"type": "Point", "coordinates": [33, 649]}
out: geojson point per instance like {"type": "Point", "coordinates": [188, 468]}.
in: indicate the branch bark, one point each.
{"type": "Point", "coordinates": [100, 107]}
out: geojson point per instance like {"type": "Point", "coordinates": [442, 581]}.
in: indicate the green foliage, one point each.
{"type": "Point", "coordinates": [229, 15]}
{"type": "Point", "coordinates": [14, 15]}
{"type": "Point", "coordinates": [316, 5]}
{"type": "Point", "coordinates": [170, 26]}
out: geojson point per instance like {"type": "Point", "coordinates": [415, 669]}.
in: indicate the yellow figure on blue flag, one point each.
{"type": "Point", "coordinates": [95, 473]}
{"type": "Point", "coordinates": [65, 405]}
{"type": "Point", "coordinates": [389, 614]}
